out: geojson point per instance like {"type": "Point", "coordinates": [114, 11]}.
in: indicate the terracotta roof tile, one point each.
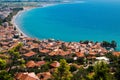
{"type": "Point", "coordinates": [55, 64]}
{"type": "Point", "coordinates": [30, 64]}
{"type": "Point", "coordinates": [116, 53]}
{"type": "Point", "coordinates": [29, 54]}
{"type": "Point", "coordinates": [79, 54]}
{"type": "Point", "coordinates": [44, 75]}
{"type": "Point", "coordinates": [26, 76]}
{"type": "Point", "coordinates": [44, 51]}
{"type": "Point", "coordinates": [92, 53]}
{"type": "Point", "coordinates": [39, 63]}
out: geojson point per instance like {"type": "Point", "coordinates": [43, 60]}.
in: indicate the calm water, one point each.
{"type": "Point", "coordinates": [73, 22]}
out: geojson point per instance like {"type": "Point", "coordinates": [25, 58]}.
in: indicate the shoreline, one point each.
{"type": "Point", "coordinates": [27, 9]}
{"type": "Point", "coordinates": [15, 25]}
{"type": "Point", "coordinates": [22, 11]}
{"type": "Point", "coordinates": [30, 8]}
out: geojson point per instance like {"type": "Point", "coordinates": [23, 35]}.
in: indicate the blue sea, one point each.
{"type": "Point", "coordinates": [96, 21]}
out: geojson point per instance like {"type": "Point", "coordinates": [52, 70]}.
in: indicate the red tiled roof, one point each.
{"type": "Point", "coordinates": [45, 75]}
{"type": "Point", "coordinates": [116, 53]}
{"type": "Point", "coordinates": [92, 53]}
{"type": "Point", "coordinates": [55, 64]}
{"type": "Point", "coordinates": [39, 63]}
{"type": "Point", "coordinates": [26, 76]}
{"type": "Point", "coordinates": [79, 54]}
{"type": "Point", "coordinates": [44, 51]}
{"type": "Point", "coordinates": [52, 53]}
{"type": "Point", "coordinates": [29, 54]}
{"type": "Point", "coordinates": [31, 64]}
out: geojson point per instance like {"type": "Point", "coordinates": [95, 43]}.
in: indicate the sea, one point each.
{"type": "Point", "coordinates": [87, 20]}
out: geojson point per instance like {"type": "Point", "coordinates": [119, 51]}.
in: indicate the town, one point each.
{"type": "Point", "coordinates": [25, 58]}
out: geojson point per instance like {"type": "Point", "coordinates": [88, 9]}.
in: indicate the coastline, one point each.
{"type": "Point", "coordinates": [22, 55]}
{"type": "Point", "coordinates": [15, 25]}
{"type": "Point", "coordinates": [30, 8]}
{"type": "Point", "coordinates": [27, 9]}
{"type": "Point", "coordinates": [22, 11]}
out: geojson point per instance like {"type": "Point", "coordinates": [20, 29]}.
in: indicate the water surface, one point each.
{"type": "Point", "coordinates": [96, 21]}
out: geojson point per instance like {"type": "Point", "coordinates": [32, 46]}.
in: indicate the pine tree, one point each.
{"type": "Point", "coordinates": [2, 64]}
{"type": "Point", "coordinates": [4, 75]}
{"type": "Point", "coordinates": [16, 59]}
{"type": "Point", "coordinates": [62, 72]}
{"type": "Point", "coordinates": [101, 71]}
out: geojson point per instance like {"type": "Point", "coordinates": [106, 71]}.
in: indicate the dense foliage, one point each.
{"type": "Point", "coordinates": [62, 72]}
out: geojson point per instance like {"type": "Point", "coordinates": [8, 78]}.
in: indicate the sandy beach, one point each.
{"type": "Point", "coordinates": [15, 25]}
{"type": "Point", "coordinates": [22, 11]}
{"type": "Point", "coordinates": [18, 14]}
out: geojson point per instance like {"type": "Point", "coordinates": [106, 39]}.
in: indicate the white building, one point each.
{"type": "Point", "coordinates": [105, 59]}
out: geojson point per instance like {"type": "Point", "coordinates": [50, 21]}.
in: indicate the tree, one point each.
{"type": "Point", "coordinates": [4, 75]}
{"type": "Point", "coordinates": [105, 44]}
{"type": "Point", "coordinates": [16, 59]}
{"type": "Point", "coordinates": [62, 72]}
{"type": "Point", "coordinates": [117, 71]}
{"type": "Point", "coordinates": [113, 59]}
{"type": "Point", "coordinates": [113, 44]}
{"type": "Point", "coordinates": [17, 48]}
{"type": "Point", "coordinates": [2, 64]}
{"type": "Point", "coordinates": [81, 74]}
{"type": "Point", "coordinates": [117, 74]}
{"type": "Point", "coordinates": [73, 68]}
{"type": "Point", "coordinates": [45, 67]}
{"type": "Point", "coordinates": [101, 71]}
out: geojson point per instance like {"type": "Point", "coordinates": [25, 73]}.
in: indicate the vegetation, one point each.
{"type": "Point", "coordinates": [2, 64]}
{"type": "Point", "coordinates": [62, 72]}
{"type": "Point", "coordinates": [101, 71]}
{"type": "Point", "coordinates": [81, 74]}
{"type": "Point", "coordinates": [69, 68]}
{"type": "Point", "coordinates": [16, 60]}
{"type": "Point", "coordinates": [116, 67]}
{"type": "Point", "coordinates": [112, 44]}
{"type": "Point", "coordinates": [4, 75]}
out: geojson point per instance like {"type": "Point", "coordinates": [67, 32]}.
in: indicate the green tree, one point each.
{"type": "Point", "coordinates": [105, 44]}
{"type": "Point", "coordinates": [81, 74]}
{"type": "Point", "coordinates": [2, 64]}
{"type": "Point", "coordinates": [62, 72]}
{"type": "Point", "coordinates": [101, 71]}
{"type": "Point", "coordinates": [113, 44]}
{"type": "Point", "coordinates": [45, 67]}
{"type": "Point", "coordinates": [4, 75]}
{"type": "Point", "coordinates": [16, 59]}
{"type": "Point", "coordinates": [117, 74]}
{"type": "Point", "coordinates": [17, 48]}
{"type": "Point", "coordinates": [113, 59]}
{"type": "Point", "coordinates": [73, 68]}
{"type": "Point", "coordinates": [117, 70]}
